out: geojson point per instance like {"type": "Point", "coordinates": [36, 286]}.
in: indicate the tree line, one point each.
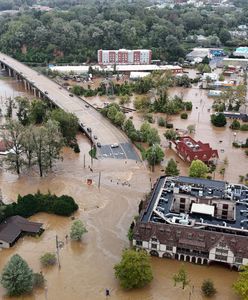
{"type": "Point", "coordinates": [43, 37]}
{"type": "Point", "coordinates": [37, 137]}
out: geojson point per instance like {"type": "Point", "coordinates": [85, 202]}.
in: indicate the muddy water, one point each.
{"type": "Point", "coordinates": [87, 267]}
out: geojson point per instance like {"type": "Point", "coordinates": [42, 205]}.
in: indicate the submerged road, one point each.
{"type": "Point", "coordinates": [105, 132]}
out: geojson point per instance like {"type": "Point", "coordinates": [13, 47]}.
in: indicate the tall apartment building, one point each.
{"type": "Point", "coordinates": [124, 57]}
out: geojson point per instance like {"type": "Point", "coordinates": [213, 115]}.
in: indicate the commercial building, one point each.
{"type": "Point", "coordinates": [198, 54]}
{"type": "Point", "coordinates": [189, 150]}
{"type": "Point", "coordinates": [124, 57]}
{"type": "Point", "coordinates": [238, 62]}
{"type": "Point", "coordinates": [14, 227]}
{"type": "Point", "coordinates": [241, 51]}
{"type": "Point", "coordinates": [196, 220]}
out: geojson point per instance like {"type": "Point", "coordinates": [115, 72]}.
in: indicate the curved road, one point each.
{"type": "Point", "coordinates": [106, 133]}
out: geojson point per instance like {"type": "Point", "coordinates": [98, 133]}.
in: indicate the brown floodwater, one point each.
{"type": "Point", "coordinates": [87, 267]}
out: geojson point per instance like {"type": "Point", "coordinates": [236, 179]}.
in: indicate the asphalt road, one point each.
{"type": "Point", "coordinates": [106, 133]}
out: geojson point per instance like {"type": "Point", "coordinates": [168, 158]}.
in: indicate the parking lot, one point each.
{"type": "Point", "coordinates": [123, 151]}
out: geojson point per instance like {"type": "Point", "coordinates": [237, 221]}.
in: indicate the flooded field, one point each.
{"type": "Point", "coordinates": [87, 267]}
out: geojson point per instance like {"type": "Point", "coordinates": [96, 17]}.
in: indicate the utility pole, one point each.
{"type": "Point", "coordinates": [99, 179]}
{"type": "Point", "coordinates": [84, 160]}
{"type": "Point", "coordinates": [57, 250]}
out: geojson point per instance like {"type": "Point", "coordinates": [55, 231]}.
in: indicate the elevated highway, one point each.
{"type": "Point", "coordinates": [43, 87]}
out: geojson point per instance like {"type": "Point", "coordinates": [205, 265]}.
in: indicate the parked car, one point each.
{"type": "Point", "coordinates": [99, 144]}
{"type": "Point", "coordinates": [115, 145]}
{"type": "Point", "coordinates": [87, 105]}
{"type": "Point", "coordinates": [89, 129]}
{"type": "Point", "coordinates": [82, 124]}
{"type": "Point", "coordinates": [95, 137]}
{"type": "Point", "coordinates": [46, 92]}
{"type": "Point", "coordinates": [71, 95]}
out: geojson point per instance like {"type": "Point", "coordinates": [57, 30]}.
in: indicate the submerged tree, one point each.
{"type": "Point", "coordinates": [181, 277]}
{"type": "Point", "coordinates": [171, 168]}
{"type": "Point", "coordinates": [134, 269]}
{"type": "Point", "coordinates": [198, 169]}
{"type": "Point", "coordinates": [17, 277]}
{"type": "Point", "coordinates": [77, 230]}
{"type": "Point", "coordinates": [241, 285]}
{"type": "Point", "coordinates": [13, 139]}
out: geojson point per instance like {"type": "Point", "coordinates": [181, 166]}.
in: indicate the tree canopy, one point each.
{"type": "Point", "coordinates": [134, 269]}
{"type": "Point", "coordinates": [241, 285]}
{"type": "Point", "coordinates": [198, 169]}
{"type": "Point", "coordinates": [17, 277]}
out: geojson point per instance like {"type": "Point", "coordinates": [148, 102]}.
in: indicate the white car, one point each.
{"type": "Point", "coordinates": [115, 145]}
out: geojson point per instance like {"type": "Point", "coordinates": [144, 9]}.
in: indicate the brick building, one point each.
{"type": "Point", "coordinates": [188, 149]}
{"type": "Point", "coordinates": [124, 57]}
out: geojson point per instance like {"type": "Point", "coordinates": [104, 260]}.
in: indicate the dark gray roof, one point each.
{"type": "Point", "coordinates": [12, 227]}
{"type": "Point", "coordinates": [208, 183]}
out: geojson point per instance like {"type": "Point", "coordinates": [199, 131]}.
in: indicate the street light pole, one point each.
{"type": "Point", "coordinates": [99, 179]}
{"type": "Point", "coordinates": [57, 250]}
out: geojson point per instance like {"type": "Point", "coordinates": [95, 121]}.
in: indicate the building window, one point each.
{"type": "Point", "coordinates": [169, 248]}
{"type": "Point", "coordinates": [138, 243]}
{"type": "Point", "coordinates": [239, 260]}
{"type": "Point", "coordinates": [154, 246]}
{"type": "Point", "coordinates": [154, 240]}
{"type": "Point", "coordinates": [220, 257]}
{"type": "Point", "coordinates": [222, 251]}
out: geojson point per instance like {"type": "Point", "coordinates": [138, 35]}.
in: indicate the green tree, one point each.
{"type": "Point", "coordinates": [128, 127]}
{"type": "Point", "coordinates": [23, 110]}
{"type": "Point", "coordinates": [171, 168]}
{"type": "Point", "coordinates": [38, 280]}
{"type": "Point", "coordinates": [235, 125]}
{"type": "Point", "coordinates": [17, 277]}
{"type": "Point", "coordinates": [112, 111]}
{"type": "Point", "coordinates": [38, 111]}
{"type": "Point", "coordinates": [13, 139]}
{"type": "Point", "coordinates": [218, 120]}
{"type": "Point", "coordinates": [68, 124]}
{"type": "Point", "coordinates": [208, 288]}
{"type": "Point", "coordinates": [241, 285]}
{"type": "Point", "coordinates": [154, 155]}
{"type": "Point", "coordinates": [134, 269]}
{"type": "Point", "coordinates": [171, 135]}
{"type": "Point", "coordinates": [198, 169]}
{"type": "Point", "coordinates": [153, 137]}
{"type": "Point", "coordinates": [77, 230]}
{"type": "Point", "coordinates": [48, 259]}
{"type": "Point", "coordinates": [119, 118]}
{"type": "Point", "coordinates": [181, 277]}
{"type": "Point", "coordinates": [145, 130]}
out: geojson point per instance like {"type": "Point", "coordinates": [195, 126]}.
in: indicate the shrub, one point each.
{"type": "Point", "coordinates": [208, 288]}
{"type": "Point", "coordinates": [169, 125]}
{"type": "Point", "coordinates": [149, 118]}
{"type": "Point", "coordinates": [76, 148]}
{"type": "Point", "coordinates": [244, 127]}
{"type": "Point", "coordinates": [184, 116]}
{"type": "Point", "coordinates": [188, 105]}
{"type": "Point", "coordinates": [218, 120]}
{"type": "Point", "coordinates": [77, 230]}
{"type": "Point", "coordinates": [48, 259]}
{"type": "Point", "coordinates": [161, 122]}
{"type": "Point", "coordinates": [246, 152]}
{"type": "Point", "coordinates": [38, 280]}
{"type": "Point", "coordinates": [235, 125]}
{"type": "Point", "coordinates": [171, 135]}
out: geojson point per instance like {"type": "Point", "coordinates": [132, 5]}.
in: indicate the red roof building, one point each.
{"type": "Point", "coordinates": [188, 149]}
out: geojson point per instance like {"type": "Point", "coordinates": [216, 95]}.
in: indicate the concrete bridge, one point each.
{"type": "Point", "coordinates": [42, 87]}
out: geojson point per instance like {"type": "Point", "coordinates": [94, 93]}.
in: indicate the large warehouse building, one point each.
{"type": "Point", "coordinates": [125, 57]}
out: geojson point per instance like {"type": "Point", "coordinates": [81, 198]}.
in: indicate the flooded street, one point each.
{"type": "Point", "coordinates": [87, 267]}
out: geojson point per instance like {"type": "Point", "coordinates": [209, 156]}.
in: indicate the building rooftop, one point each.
{"type": "Point", "coordinates": [12, 227]}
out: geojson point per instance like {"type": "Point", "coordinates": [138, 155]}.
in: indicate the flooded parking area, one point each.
{"type": "Point", "coordinates": [107, 207]}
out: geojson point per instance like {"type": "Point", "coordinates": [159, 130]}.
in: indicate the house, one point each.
{"type": "Point", "coordinates": [195, 220]}
{"type": "Point", "coordinates": [188, 150]}
{"type": "Point", "coordinates": [241, 51]}
{"type": "Point", "coordinates": [16, 226]}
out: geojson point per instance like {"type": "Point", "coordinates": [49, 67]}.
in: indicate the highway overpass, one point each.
{"type": "Point", "coordinates": [43, 87]}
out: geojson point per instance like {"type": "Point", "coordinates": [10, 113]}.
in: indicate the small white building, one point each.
{"type": "Point", "coordinates": [138, 75]}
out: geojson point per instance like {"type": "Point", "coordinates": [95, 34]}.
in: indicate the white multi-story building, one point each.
{"type": "Point", "coordinates": [123, 56]}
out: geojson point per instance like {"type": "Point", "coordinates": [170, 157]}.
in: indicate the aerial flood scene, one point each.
{"type": "Point", "coordinates": [124, 149]}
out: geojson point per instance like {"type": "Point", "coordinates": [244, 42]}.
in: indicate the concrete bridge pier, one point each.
{"type": "Point", "coordinates": [10, 72]}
